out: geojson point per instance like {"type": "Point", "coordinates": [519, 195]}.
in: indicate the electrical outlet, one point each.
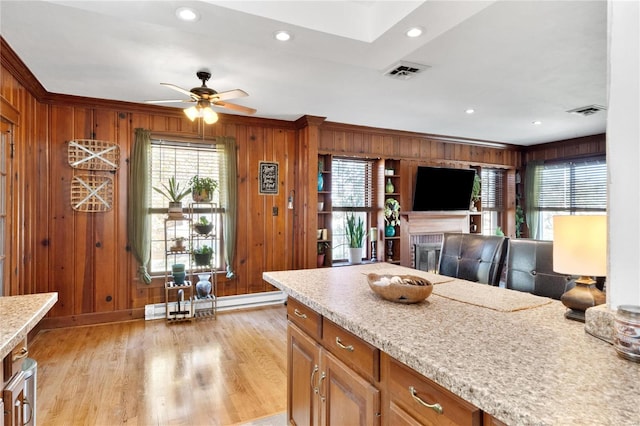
{"type": "Point", "coordinates": [274, 210]}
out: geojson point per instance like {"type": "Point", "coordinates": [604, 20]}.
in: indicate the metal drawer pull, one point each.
{"type": "Point", "coordinates": [435, 407]}
{"type": "Point", "coordinates": [322, 377]}
{"type": "Point", "coordinates": [313, 373]}
{"type": "Point", "coordinates": [299, 314]}
{"type": "Point", "coordinates": [339, 343]}
{"type": "Point", "coordinates": [22, 354]}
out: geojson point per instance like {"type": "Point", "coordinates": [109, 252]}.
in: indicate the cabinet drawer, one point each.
{"type": "Point", "coordinates": [12, 363]}
{"type": "Point", "coordinates": [351, 350]}
{"type": "Point", "coordinates": [407, 389]}
{"type": "Point", "coordinates": [306, 318]}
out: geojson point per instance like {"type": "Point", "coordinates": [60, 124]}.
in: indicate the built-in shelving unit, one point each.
{"type": "Point", "coordinates": [390, 245]}
{"type": "Point", "coordinates": [324, 211]}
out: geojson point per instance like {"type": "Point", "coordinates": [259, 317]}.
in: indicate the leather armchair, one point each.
{"type": "Point", "coordinates": [473, 257]}
{"type": "Point", "coordinates": [530, 269]}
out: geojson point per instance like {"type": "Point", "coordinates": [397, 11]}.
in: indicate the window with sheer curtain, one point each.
{"type": "Point", "coordinates": [182, 160]}
{"type": "Point", "coordinates": [351, 192]}
{"type": "Point", "coordinates": [571, 188]}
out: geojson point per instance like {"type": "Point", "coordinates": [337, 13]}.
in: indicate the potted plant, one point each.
{"type": "Point", "coordinates": [178, 244]}
{"type": "Point", "coordinates": [202, 188]}
{"type": "Point", "coordinates": [391, 216]}
{"type": "Point", "coordinates": [323, 246]}
{"type": "Point", "coordinates": [203, 226]}
{"type": "Point", "coordinates": [202, 255]}
{"type": "Point", "coordinates": [174, 194]}
{"type": "Point", "coordinates": [475, 192]}
{"type": "Point", "coordinates": [355, 237]}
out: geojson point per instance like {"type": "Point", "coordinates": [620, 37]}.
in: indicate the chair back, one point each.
{"type": "Point", "coordinates": [530, 268]}
{"type": "Point", "coordinates": [473, 257]}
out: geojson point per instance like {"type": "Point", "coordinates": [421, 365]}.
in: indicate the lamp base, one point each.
{"type": "Point", "coordinates": [583, 296]}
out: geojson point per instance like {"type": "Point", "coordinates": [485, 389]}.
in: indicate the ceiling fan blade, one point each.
{"type": "Point", "coordinates": [235, 107]}
{"type": "Point", "coordinates": [181, 90]}
{"type": "Point", "coordinates": [166, 101]}
{"type": "Point", "coordinates": [230, 94]}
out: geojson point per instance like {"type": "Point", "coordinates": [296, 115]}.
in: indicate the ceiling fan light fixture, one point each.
{"type": "Point", "coordinates": [209, 116]}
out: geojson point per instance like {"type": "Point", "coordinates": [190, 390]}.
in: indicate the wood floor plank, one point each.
{"type": "Point", "coordinates": [210, 372]}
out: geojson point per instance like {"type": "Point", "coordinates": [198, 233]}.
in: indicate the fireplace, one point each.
{"type": "Point", "coordinates": [422, 231]}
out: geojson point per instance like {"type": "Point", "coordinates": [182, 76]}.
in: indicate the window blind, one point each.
{"type": "Point", "coordinates": [574, 186]}
{"type": "Point", "coordinates": [351, 182]}
{"type": "Point", "coordinates": [492, 189]}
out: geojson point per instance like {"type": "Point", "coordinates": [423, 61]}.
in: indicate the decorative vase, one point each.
{"type": "Point", "coordinates": [175, 210]}
{"type": "Point", "coordinates": [389, 231]}
{"type": "Point", "coordinates": [320, 263]}
{"type": "Point", "coordinates": [203, 287]}
{"type": "Point", "coordinates": [320, 181]}
{"type": "Point", "coordinates": [389, 188]}
{"type": "Point", "coordinates": [178, 277]}
{"type": "Point", "coordinates": [355, 255]}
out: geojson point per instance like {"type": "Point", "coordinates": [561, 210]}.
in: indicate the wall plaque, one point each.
{"type": "Point", "coordinates": [268, 176]}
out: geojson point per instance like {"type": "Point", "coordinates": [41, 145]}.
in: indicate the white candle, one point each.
{"type": "Point", "coordinates": [373, 236]}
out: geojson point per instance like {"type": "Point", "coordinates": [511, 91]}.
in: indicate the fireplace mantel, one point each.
{"type": "Point", "coordinates": [423, 223]}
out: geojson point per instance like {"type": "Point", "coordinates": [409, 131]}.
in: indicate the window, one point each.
{"type": "Point", "coordinates": [352, 182]}
{"type": "Point", "coordinates": [182, 160]}
{"type": "Point", "coordinates": [492, 199]}
{"type": "Point", "coordinates": [570, 188]}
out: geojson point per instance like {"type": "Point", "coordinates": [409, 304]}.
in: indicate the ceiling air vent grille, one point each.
{"type": "Point", "coordinates": [587, 110]}
{"type": "Point", "coordinates": [405, 70]}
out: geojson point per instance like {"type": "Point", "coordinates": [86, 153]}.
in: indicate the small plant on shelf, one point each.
{"type": "Point", "coordinates": [391, 216]}
{"type": "Point", "coordinates": [173, 192]}
{"type": "Point", "coordinates": [203, 226]}
{"type": "Point", "coordinates": [178, 244]}
{"type": "Point", "coordinates": [323, 246]}
{"type": "Point", "coordinates": [202, 255]}
{"type": "Point", "coordinates": [202, 188]}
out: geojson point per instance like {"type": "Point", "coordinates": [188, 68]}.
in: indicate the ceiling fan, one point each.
{"type": "Point", "coordinates": [205, 97]}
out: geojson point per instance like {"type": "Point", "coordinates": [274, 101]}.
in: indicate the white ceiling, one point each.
{"type": "Point", "coordinates": [514, 62]}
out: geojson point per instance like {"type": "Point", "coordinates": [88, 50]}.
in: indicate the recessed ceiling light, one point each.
{"type": "Point", "coordinates": [187, 14]}
{"type": "Point", "coordinates": [470, 110]}
{"type": "Point", "coordinates": [537, 122]}
{"type": "Point", "coordinates": [282, 35]}
{"type": "Point", "coordinates": [414, 32]}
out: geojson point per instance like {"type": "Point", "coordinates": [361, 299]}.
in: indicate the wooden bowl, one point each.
{"type": "Point", "coordinates": [400, 288]}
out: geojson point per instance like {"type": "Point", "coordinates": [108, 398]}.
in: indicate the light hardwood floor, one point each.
{"type": "Point", "coordinates": [209, 372]}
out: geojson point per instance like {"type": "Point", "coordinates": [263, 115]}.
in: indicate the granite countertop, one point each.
{"type": "Point", "coordinates": [18, 316]}
{"type": "Point", "coordinates": [530, 366]}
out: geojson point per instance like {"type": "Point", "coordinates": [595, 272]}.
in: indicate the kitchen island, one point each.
{"type": "Point", "coordinates": [528, 365]}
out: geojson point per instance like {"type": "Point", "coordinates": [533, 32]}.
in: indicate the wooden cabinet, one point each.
{"type": "Point", "coordinates": [322, 389]}
{"type": "Point", "coordinates": [412, 399]}
{"type": "Point", "coordinates": [13, 399]}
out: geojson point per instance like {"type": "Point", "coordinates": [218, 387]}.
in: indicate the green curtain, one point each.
{"type": "Point", "coordinates": [229, 199]}
{"type": "Point", "coordinates": [138, 209]}
{"type": "Point", "coordinates": [532, 194]}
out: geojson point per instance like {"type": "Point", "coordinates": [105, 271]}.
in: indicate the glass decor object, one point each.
{"type": "Point", "coordinates": [320, 181]}
{"type": "Point", "coordinates": [203, 286]}
{"type": "Point", "coordinates": [389, 188]}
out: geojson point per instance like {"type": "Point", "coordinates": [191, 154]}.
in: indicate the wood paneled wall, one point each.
{"type": "Point", "coordinates": [84, 256]}
{"type": "Point", "coordinates": [568, 148]}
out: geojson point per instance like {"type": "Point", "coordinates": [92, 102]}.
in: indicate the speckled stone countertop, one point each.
{"type": "Point", "coordinates": [19, 314]}
{"type": "Point", "coordinates": [527, 367]}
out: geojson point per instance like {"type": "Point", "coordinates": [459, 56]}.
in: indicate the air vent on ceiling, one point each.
{"type": "Point", "coordinates": [405, 70]}
{"type": "Point", "coordinates": [587, 110]}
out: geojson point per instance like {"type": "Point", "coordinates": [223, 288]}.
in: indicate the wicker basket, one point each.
{"type": "Point", "coordinates": [400, 288]}
{"type": "Point", "coordinates": [90, 154]}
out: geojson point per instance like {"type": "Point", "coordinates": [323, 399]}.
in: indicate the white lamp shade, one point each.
{"type": "Point", "coordinates": [192, 113]}
{"type": "Point", "coordinates": [209, 116]}
{"type": "Point", "coordinates": [580, 245]}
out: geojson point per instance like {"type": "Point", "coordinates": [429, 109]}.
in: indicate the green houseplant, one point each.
{"type": "Point", "coordinates": [174, 193]}
{"type": "Point", "coordinates": [203, 226]}
{"type": "Point", "coordinates": [202, 255]}
{"type": "Point", "coordinates": [355, 237]}
{"type": "Point", "coordinates": [202, 188]}
{"type": "Point", "coordinates": [323, 246]}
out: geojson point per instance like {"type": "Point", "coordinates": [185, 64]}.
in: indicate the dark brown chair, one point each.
{"type": "Point", "coordinates": [530, 269]}
{"type": "Point", "coordinates": [473, 257]}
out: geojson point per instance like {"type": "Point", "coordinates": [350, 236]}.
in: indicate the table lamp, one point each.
{"type": "Point", "coordinates": [580, 248]}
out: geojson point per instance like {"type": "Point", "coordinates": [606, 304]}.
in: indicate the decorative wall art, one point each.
{"type": "Point", "coordinates": [268, 176]}
{"type": "Point", "coordinates": [90, 154]}
{"type": "Point", "coordinates": [91, 193]}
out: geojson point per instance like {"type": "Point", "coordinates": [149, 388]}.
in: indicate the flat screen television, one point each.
{"type": "Point", "coordinates": [441, 188]}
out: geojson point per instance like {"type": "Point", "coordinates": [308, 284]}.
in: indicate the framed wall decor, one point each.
{"type": "Point", "coordinates": [268, 178]}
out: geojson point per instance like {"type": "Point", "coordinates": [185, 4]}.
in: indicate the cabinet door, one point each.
{"type": "Point", "coordinates": [303, 365]}
{"type": "Point", "coordinates": [13, 397]}
{"type": "Point", "coordinates": [345, 397]}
